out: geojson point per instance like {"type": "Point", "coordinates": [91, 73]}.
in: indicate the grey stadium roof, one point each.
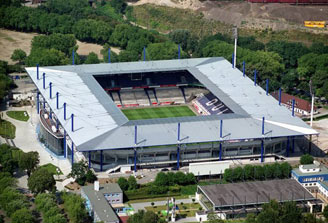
{"type": "Point", "coordinates": [100, 125]}
{"type": "Point", "coordinates": [223, 195]}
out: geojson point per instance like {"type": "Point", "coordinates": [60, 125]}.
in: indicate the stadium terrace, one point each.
{"type": "Point", "coordinates": [161, 113]}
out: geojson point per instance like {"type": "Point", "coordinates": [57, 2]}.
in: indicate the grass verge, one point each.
{"type": "Point", "coordinates": [18, 115]}
{"type": "Point", "coordinates": [7, 129]}
{"type": "Point", "coordinates": [51, 168]}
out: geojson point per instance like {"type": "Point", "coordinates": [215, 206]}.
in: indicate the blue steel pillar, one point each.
{"type": "Point", "coordinates": [178, 149]}
{"type": "Point", "coordinates": [244, 67]}
{"type": "Point", "coordinates": [262, 141]}
{"type": "Point", "coordinates": [135, 149]}
{"type": "Point", "coordinates": [262, 150]}
{"type": "Point", "coordinates": [37, 71]}
{"type": "Point", "coordinates": [267, 86]}
{"type": "Point", "coordinates": [65, 145]}
{"type": "Point", "coordinates": [57, 100]}
{"type": "Point", "coordinates": [72, 119]}
{"type": "Point", "coordinates": [220, 152]}
{"type": "Point", "coordinates": [255, 77]}
{"type": "Point", "coordinates": [279, 96]}
{"type": "Point", "coordinates": [73, 57]}
{"type": "Point", "coordinates": [101, 160]}
{"type": "Point", "coordinates": [44, 80]}
{"type": "Point", "coordinates": [64, 110]}
{"type": "Point", "coordinates": [293, 107]}
{"type": "Point", "coordinates": [72, 156]}
{"type": "Point", "coordinates": [38, 102]}
{"type": "Point", "coordinates": [89, 159]}
{"type": "Point", "coordinates": [287, 147]}
{"type": "Point", "coordinates": [179, 51]}
{"type": "Point", "coordinates": [144, 53]}
{"type": "Point", "coordinates": [293, 144]}
{"type": "Point", "coordinates": [50, 90]}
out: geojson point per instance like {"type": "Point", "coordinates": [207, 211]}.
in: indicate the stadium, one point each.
{"type": "Point", "coordinates": [162, 113]}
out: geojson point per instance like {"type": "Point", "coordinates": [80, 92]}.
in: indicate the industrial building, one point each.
{"type": "Point", "coordinates": [238, 199]}
{"type": "Point", "coordinates": [82, 116]}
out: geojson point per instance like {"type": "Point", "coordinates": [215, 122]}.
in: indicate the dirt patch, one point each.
{"type": "Point", "coordinates": [322, 127]}
{"type": "Point", "coordinates": [86, 48]}
{"type": "Point", "coordinates": [11, 40]}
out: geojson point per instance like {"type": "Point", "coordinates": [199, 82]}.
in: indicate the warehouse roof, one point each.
{"type": "Point", "coordinates": [99, 124]}
{"type": "Point", "coordinates": [223, 195]}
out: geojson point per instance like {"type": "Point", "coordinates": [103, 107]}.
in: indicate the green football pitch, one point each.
{"type": "Point", "coordinates": [158, 112]}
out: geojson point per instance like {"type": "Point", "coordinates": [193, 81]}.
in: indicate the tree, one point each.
{"type": "Point", "coordinates": [325, 212]}
{"type": "Point", "coordinates": [290, 213]}
{"type": "Point", "coordinates": [6, 180]}
{"type": "Point", "coordinates": [258, 172]}
{"type": "Point", "coordinates": [163, 51]}
{"type": "Point", "coordinates": [118, 5]}
{"type": "Point", "coordinates": [161, 179]}
{"type": "Point", "coordinates": [306, 159]}
{"type": "Point", "coordinates": [79, 171]}
{"type": "Point", "coordinates": [249, 172]}
{"type": "Point", "coordinates": [150, 217]}
{"type": "Point", "coordinates": [90, 176]}
{"type": "Point", "coordinates": [123, 183]}
{"type": "Point", "coordinates": [285, 169]}
{"type": "Point", "coordinates": [46, 57]}
{"type": "Point", "coordinates": [251, 218]}
{"type": "Point", "coordinates": [15, 205]}
{"type": "Point", "coordinates": [237, 173]}
{"type": "Point", "coordinates": [74, 206]}
{"type": "Point", "coordinates": [18, 55]}
{"type": "Point", "coordinates": [41, 180]}
{"type": "Point", "coordinates": [92, 58]}
{"type": "Point", "coordinates": [29, 161]}
{"type": "Point", "coordinates": [228, 174]}
{"type": "Point", "coordinates": [213, 218]}
{"type": "Point", "coordinates": [269, 213]}
{"type": "Point", "coordinates": [9, 194]}
{"type": "Point", "coordinates": [22, 216]}
{"type": "Point", "coordinates": [186, 40]}
{"type": "Point", "coordinates": [132, 183]}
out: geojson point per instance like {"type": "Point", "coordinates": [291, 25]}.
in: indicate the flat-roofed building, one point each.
{"type": "Point", "coordinates": [309, 175]}
{"type": "Point", "coordinates": [102, 200]}
{"type": "Point", "coordinates": [238, 199]}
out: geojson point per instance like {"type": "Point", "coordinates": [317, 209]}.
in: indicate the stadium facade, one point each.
{"type": "Point", "coordinates": [81, 114]}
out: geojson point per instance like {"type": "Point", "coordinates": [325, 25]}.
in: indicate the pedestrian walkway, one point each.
{"type": "Point", "coordinates": [141, 206]}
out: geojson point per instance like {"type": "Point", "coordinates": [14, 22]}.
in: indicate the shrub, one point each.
{"type": "Point", "coordinates": [306, 159]}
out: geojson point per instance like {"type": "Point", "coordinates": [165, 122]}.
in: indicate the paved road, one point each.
{"type": "Point", "coordinates": [141, 206]}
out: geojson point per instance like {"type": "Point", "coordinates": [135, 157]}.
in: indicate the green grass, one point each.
{"type": "Point", "coordinates": [18, 115]}
{"type": "Point", "coordinates": [7, 129]}
{"type": "Point", "coordinates": [51, 168]}
{"type": "Point", "coordinates": [158, 112]}
{"type": "Point", "coordinates": [186, 210]}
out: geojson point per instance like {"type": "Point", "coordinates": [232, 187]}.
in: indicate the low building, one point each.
{"type": "Point", "coordinates": [302, 107]}
{"type": "Point", "coordinates": [309, 175]}
{"type": "Point", "coordinates": [102, 201]}
{"type": "Point", "coordinates": [238, 199]}
{"type": "Point", "coordinates": [208, 168]}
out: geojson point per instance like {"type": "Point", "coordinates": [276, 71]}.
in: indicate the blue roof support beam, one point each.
{"type": "Point", "coordinates": [89, 159]}
{"type": "Point", "coordinates": [144, 53]}
{"type": "Point", "coordinates": [37, 71]}
{"type": "Point", "coordinates": [279, 96]}
{"type": "Point", "coordinates": [220, 152]}
{"type": "Point", "coordinates": [255, 76]}
{"type": "Point", "coordinates": [65, 144]}
{"type": "Point", "coordinates": [57, 100]}
{"type": "Point", "coordinates": [38, 102]}
{"type": "Point", "coordinates": [293, 107]}
{"type": "Point", "coordinates": [64, 110]}
{"type": "Point", "coordinates": [262, 150]}
{"type": "Point", "coordinates": [44, 80]}
{"type": "Point", "coordinates": [72, 119]}
{"type": "Point", "coordinates": [244, 68]}
{"type": "Point", "coordinates": [267, 87]}
{"type": "Point", "coordinates": [263, 122]}
{"type": "Point", "coordinates": [72, 155]}
{"type": "Point", "coordinates": [135, 149]}
{"type": "Point", "coordinates": [50, 90]}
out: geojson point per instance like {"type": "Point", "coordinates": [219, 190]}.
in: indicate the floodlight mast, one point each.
{"type": "Point", "coordinates": [235, 51]}
{"type": "Point", "coordinates": [312, 101]}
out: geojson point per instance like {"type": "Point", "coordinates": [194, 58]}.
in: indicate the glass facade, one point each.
{"type": "Point", "coordinates": [54, 144]}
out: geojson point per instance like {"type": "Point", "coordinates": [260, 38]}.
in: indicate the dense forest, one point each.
{"type": "Point", "coordinates": [289, 65]}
